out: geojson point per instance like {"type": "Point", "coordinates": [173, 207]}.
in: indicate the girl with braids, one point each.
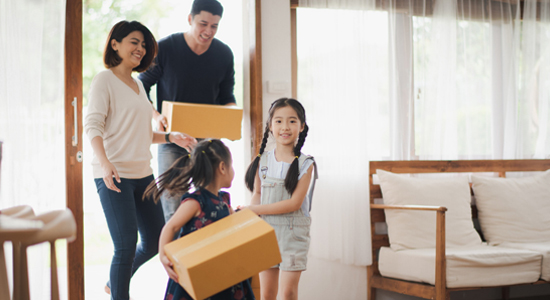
{"type": "Point", "coordinates": [280, 181]}
{"type": "Point", "coordinates": [207, 169]}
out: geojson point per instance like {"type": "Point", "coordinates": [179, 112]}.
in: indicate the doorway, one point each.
{"type": "Point", "coordinates": [162, 17]}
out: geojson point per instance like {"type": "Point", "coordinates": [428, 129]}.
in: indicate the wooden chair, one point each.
{"type": "Point", "coordinates": [59, 224]}
{"type": "Point", "coordinates": [20, 211]}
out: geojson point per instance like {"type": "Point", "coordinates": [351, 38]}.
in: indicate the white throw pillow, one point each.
{"type": "Point", "coordinates": [513, 210]}
{"type": "Point", "coordinates": [416, 229]}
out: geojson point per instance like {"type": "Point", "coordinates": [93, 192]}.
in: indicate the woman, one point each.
{"type": "Point", "coordinates": [118, 125]}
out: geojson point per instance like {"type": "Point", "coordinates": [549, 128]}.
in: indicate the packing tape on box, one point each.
{"type": "Point", "coordinates": [213, 237]}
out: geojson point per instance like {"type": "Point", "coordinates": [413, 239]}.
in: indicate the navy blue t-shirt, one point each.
{"type": "Point", "coordinates": [183, 76]}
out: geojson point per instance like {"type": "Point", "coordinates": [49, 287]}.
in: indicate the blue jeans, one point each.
{"type": "Point", "coordinates": [127, 214]}
{"type": "Point", "coordinates": [167, 155]}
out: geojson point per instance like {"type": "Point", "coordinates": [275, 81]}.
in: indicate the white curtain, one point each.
{"type": "Point", "coordinates": [342, 83]}
{"type": "Point", "coordinates": [418, 79]}
{"type": "Point", "coordinates": [533, 84]}
{"type": "Point", "coordinates": [32, 119]}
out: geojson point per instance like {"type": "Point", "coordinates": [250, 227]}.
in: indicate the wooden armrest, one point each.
{"type": "Point", "coordinates": [440, 260]}
{"type": "Point", "coordinates": [409, 207]}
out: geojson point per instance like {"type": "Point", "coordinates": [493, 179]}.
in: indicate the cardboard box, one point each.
{"type": "Point", "coordinates": [223, 253]}
{"type": "Point", "coordinates": [204, 120]}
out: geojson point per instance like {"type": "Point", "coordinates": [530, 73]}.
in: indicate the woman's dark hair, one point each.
{"type": "Point", "coordinates": [121, 30]}
{"type": "Point", "coordinates": [291, 179]}
{"type": "Point", "coordinates": [196, 169]}
{"type": "Point", "coordinates": [212, 6]}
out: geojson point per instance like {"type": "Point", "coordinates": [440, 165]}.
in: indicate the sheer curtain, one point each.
{"type": "Point", "coordinates": [533, 84]}
{"type": "Point", "coordinates": [464, 69]}
{"type": "Point", "coordinates": [343, 82]}
{"type": "Point", "coordinates": [418, 79]}
{"type": "Point", "coordinates": [32, 119]}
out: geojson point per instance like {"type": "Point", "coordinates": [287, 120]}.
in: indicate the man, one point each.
{"type": "Point", "coordinates": [191, 67]}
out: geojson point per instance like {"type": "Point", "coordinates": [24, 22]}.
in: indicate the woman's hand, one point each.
{"type": "Point", "coordinates": [183, 140]}
{"type": "Point", "coordinates": [169, 267]}
{"type": "Point", "coordinates": [109, 171]}
{"type": "Point", "coordinates": [162, 122]}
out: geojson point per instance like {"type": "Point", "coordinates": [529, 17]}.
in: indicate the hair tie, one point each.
{"type": "Point", "coordinates": [296, 156]}
{"type": "Point", "coordinates": [210, 141]}
{"type": "Point", "coordinates": [203, 152]}
{"type": "Point", "coordinates": [189, 155]}
{"type": "Point", "coordinates": [259, 155]}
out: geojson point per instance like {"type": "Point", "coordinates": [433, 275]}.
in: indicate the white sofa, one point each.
{"type": "Point", "coordinates": [432, 248]}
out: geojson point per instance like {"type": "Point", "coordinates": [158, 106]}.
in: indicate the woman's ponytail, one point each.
{"type": "Point", "coordinates": [175, 180]}
{"type": "Point", "coordinates": [250, 176]}
{"type": "Point", "coordinates": [291, 179]}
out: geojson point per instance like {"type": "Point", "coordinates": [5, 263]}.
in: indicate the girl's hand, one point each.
{"type": "Point", "coordinates": [169, 267]}
{"type": "Point", "coordinates": [183, 140]}
{"type": "Point", "coordinates": [109, 171]}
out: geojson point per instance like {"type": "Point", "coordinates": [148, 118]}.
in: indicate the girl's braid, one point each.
{"type": "Point", "coordinates": [250, 176]}
{"type": "Point", "coordinates": [291, 179]}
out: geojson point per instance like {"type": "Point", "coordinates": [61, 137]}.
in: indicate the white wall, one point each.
{"type": "Point", "coordinates": [276, 67]}
{"type": "Point", "coordinates": [328, 279]}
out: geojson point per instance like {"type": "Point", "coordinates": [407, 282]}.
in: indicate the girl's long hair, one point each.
{"type": "Point", "coordinates": [193, 170]}
{"type": "Point", "coordinates": [291, 179]}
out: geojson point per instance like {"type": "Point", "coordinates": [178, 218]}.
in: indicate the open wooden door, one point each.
{"type": "Point", "coordinates": [73, 143]}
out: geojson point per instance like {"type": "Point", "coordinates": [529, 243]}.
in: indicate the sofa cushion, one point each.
{"type": "Point", "coordinates": [416, 229]}
{"type": "Point", "coordinates": [514, 210]}
{"type": "Point", "coordinates": [542, 247]}
{"type": "Point", "coordinates": [474, 266]}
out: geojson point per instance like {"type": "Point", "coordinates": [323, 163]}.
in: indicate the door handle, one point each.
{"type": "Point", "coordinates": [75, 136]}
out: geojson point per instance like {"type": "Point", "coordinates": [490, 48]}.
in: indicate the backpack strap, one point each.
{"type": "Point", "coordinates": [263, 165]}
{"type": "Point", "coordinates": [302, 160]}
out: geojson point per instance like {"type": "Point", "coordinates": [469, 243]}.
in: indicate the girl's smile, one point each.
{"type": "Point", "coordinates": [286, 126]}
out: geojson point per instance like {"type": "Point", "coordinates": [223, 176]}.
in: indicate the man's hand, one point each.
{"type": "Point", "coordinates": [183, 140]}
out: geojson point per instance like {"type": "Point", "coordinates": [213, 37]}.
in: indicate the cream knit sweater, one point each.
{"type": "Point", "coordinates": [123, 119]}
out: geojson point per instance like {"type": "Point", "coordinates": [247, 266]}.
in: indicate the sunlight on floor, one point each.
{"type": "Point", "coordinates": [148, 283]}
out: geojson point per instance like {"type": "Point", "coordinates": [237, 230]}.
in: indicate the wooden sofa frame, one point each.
{"type": "Point", "coordinates": [439, 291]}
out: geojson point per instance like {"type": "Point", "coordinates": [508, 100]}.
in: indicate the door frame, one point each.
{"type": "Point", "coordinates": [256, 91]}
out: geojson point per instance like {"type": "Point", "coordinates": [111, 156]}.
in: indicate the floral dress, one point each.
{"type": "Point", "coordinates": [213, 208]}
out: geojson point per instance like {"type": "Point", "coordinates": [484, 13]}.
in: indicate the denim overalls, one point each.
{"type": "Point", "coordinates": [291, 229]}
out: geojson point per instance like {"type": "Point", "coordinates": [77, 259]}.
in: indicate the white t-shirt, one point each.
{"type": "Point", "coordinates": [123, 119]}
{"type": "Point", "coordinates": [278, 169]}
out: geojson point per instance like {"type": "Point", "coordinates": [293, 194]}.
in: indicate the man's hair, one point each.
{"type": "Point", "coordinates": [212, 6]}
